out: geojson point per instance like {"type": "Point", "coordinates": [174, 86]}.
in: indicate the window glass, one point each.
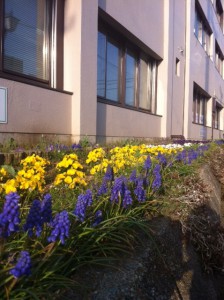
{"type": "Point", "coordinates": [112, 73]}
{"type": "Point", "coordinates": [26, 38]}
{"type": "Point", "coordinates": [124, 75]}
{"type": "Point", "coordinates": [144, 97]}
{"type": "Point", "coordinates": [199, 107]}
{"type": "Point", "coordinates": [130, 80]}
{"type": "Point", "coordinates": [101, 65]}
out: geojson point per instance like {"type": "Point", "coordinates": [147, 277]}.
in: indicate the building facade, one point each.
{"type": "Point", "coordinates": [111, 70]}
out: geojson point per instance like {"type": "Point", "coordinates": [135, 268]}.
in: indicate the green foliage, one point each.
{"type": "Point", "coordinates": [53, 264]}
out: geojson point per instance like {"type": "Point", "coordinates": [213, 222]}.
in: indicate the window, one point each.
{"type": "Point", "coordinates": [218, 59]}
{"type": "Point", "coordinates": [177, 68]}
{"type": "Point", "coordinates": [219, 13]}
{"type": "Point", "coordinates": [201, 29]}
{"type": "Point", "coordinates": [31, 37]}
{"type": "Point", "coordinates": [125, 74]}
{"type": "Point", "coordinates": [217, 110]}
{"type": "Point", "coordinates": [199, 106]}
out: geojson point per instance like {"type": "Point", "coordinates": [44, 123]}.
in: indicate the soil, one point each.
{"type": "Point", "coordinates": [183, 259]}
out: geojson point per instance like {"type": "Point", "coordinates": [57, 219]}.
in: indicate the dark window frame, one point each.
{"type": "Point", "coordinates": [219, 13]}
{"type": "Point", "coordinates": [56, 25]}
{"type": "Point", "coordinates": [200, 100]}
{"type": "Point", "coordinates": [202, 29]}
{"type": "Point", "coordinates": [116, 32]}
{"type": "Point", "coordinates": [217, 111]}
{"type": "Point", "coordinates": [219, 58]}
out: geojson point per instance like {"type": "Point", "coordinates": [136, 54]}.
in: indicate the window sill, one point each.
{"type": "Point", "coordinates": [117, 104]}
{"type": "Point", "coordinates": [33, 83]}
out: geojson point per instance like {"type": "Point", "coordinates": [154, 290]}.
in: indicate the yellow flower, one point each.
{"type": "Point", "coordinates": [68, 179]}
{"type": "Point", "coordinates": [10, 186]}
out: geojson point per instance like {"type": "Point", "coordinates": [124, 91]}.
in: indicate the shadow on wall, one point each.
{"type": "Point", "coordinates": [102, 4]}
{"type": "Point", "coordinates": [101, 123]}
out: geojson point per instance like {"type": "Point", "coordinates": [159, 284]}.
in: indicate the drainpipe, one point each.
{"type": "Point", "coordinates": [185, 37]}
{"type": "Point", "coordinates": [213, 115]}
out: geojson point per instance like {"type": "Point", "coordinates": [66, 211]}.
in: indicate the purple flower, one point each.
{"type": "Point", "coordinates": [9, 218]}
{"type": "Point", "coordinates": [192, 155]}
{"type": "Point", "coordinates": [61, 226]}
{"type": "Point", "coordinates": [83, 201]}
{"type": "Point", "coordinates": [118, 189]}
{"type": "Point", "coordinates": [109, 175]}
{"type": "Point", "coordinates": [98, 218]}
{"type": "Point", "coordinates": [157, 178]}
{"type": "Point", "coordinates": [147, 164]}
{"type": "Point", "coordinates": [162, 159]}
{"type": "Point", "coordinates": [76, 146]}
{"type": "Point", "coordinates": [182, 156]}
{"type": "Point", "coordinates": [23, 266]}
{"type": "Point", "coordinates": [127, 200]}
{"type": "Point", "coordinates": [133, 177]}
{"type": "Point", "coordinates": [103, 188]}
{"type": "Point", "coordinates": [34, 219]}
{"type": "Point", "coordinates": [46, 209]}
{"type": "Point", "coordinates": [139, 190]}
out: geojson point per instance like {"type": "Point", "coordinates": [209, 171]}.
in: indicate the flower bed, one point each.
{"type": "Point", "coordinates": [86, 211]}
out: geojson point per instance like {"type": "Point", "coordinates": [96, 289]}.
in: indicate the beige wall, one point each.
{"type": "Point", "coordinates": [143, 18]}
{"type": "Point", "coordinates": [167, 28]}
{"type": "Point", "coordinates": [171, 84]}
{"type": "Point", "coordinates": [115, 122]}
{"type": "Point", "coordinates": [201, 69]}
{"type": "Point", "coordinates": [80, 65]}
{"type": "Point", "coordinates": [37, 111]}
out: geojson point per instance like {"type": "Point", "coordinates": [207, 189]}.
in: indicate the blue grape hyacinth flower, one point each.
{"type": "Point", "coordinates": [46, 209]}
{"type": "Point", "coordinates": [83, 201]}
{"type": "Point", "coordinates": [61, 225]}
{"type": "Point", "coordinates": [147, 164]}
{"type": "Point", "coordinates": [139, 190]}
{"type": "Point", "coordinates": [156, 184]}
{"type": "Point", "coordinates": [98, 218]}
{"type": "Point", "coordinates": [118, 189]}
{"type": "Point", "coordinates": [127, 200]}
{"type": "Point", "coordinates": [34, 220]}
{"type": "Point", "coordinates": [133, 176]}
{"type": "Point", "coordinates": [23, 265]}
{"type": "Point", "coordinates": [162, 159]}
{"type": "Point", "coordinates": [9, 218]}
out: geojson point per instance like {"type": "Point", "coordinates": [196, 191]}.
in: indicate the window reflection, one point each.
{"type": "Point", "coordinates": [112, 75]}
{"type": "Point", "coordinates": [130, 80]}
{"type": "Point", "coordinates": [26, 47]}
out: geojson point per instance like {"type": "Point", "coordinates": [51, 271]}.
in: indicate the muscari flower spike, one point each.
{"type": "Point", "coordinates": [139, 190]}
{"type": "Point", "coordinates": [109, 175]}
{"type": "Point", "coordinates": [133, 176]}
{"type": "Point", "coordinates": [9, 218]}
{"type": "Point", "coordinates": [98, 218]}
{"type": "Point", "coordinates": [147, 164]}
{"type": "Point", "coordinates": [103, 189]}
{"type": "Point", "coordinates": [118, 189]}
{"type": "Point", "coordinates": [127, 200]}
{"type": "Point", "coordinates": [83, 201]}
{"type": "Point", "coordinates": [46, 209]}
{"type": "Point", "coordinates": [162, 159]}
{"type": "Point", "coordinates": [157, 178]}
{"type": "Point", "coordinates": [61, 225]}
{"type": "Point", "coordinates": [34, 220]}
{"type": "Point", "coordinates": [23, 265]}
